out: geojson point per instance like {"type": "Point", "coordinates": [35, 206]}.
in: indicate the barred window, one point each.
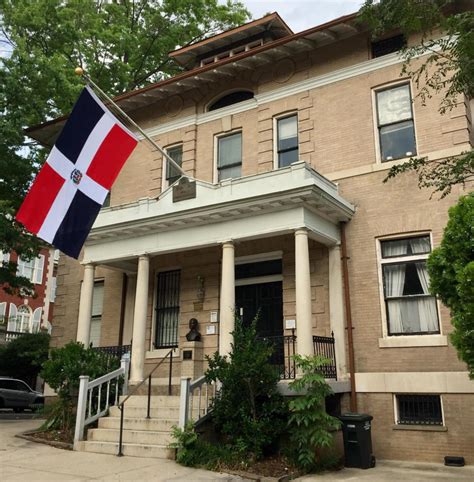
{"type": "Point", "coordinates": [419, 410]}
{"type": "Point", "coordinates": [167, 309]}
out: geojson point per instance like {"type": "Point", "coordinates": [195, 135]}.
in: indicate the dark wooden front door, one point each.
{"type": "Point", "coordinates": [265, 299]}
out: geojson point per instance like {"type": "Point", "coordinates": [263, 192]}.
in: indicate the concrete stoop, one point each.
{"type": "Point", "coordinates": [142, 437]}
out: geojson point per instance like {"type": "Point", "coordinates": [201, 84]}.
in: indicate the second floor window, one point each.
{"type": "Point", "coordinates": [32, 269]}
{"type": "Point", "coordinates": [172, 174]}
{"type": "Point", "coordinates": [395, 123]}
{"type": "Point", "coordinates": [410, 308]}
{"type": "Point", "coordinates": [287, 140]}
{"type": "Point", "coordinates": [229, 156]}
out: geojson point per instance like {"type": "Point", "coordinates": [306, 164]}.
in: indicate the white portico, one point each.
{"type": "Point", "coordinates": [294, 200]}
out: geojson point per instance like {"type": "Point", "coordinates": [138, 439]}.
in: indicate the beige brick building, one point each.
{"type": "Point", "coordinates": [288, 137]}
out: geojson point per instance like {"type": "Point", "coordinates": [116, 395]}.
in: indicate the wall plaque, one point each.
{"type": "Point", "coordinates": [185, 189]}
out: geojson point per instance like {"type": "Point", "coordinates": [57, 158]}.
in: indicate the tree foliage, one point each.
{"type": "Point", "coordinates": [23, 357]}
{"type": "Point", "coordinates": [310, 425]}
{"type": "Point", "coordinates": [248, 412]}
{"type": "Point", "coordinates": [122, 44]}
{"type": "Point", "coordinates": [451, 270]}
{"type": "Point", "coordinates": [446, 47]}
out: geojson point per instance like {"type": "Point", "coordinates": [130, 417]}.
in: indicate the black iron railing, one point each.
{"type": "Point", "coordinates": [121, 405]}
{"type": "Point", "coordinates": [324, 346]}
{"type": "Point", "coordinates": [284, 348]}
{"type": "Point", "coordinates": [114, 351]}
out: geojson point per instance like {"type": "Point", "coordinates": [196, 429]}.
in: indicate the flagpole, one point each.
{"type": "Point", "coordinates": [80, 72]}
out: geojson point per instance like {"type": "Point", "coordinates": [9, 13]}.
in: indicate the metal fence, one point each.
{"type": "Point", "coordinates": [324, 346]}
{"type": "Point", "coordinates": [284, 349]}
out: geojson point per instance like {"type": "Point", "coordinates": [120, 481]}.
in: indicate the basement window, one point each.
{"type": "Point", "coordinates": [419, 410]}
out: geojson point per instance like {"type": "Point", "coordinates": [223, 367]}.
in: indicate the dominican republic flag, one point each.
{"type": "Point", "coordinates": [67, 194]}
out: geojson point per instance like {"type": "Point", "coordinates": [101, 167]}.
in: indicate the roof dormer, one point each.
{"type": "Point", "coordinates": [232, 42]}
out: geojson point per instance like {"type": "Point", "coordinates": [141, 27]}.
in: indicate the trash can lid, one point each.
{"type": "Point", "coordinates": [355, 417]}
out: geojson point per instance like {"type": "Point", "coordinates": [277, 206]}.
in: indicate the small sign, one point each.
{"type": "Point", "coordinates": [290, 324]}
{"type": "Point", "coordinates": [184, 189]}
{"type": "Point", "coordinates": [214, 318]}
{"type": "Point", "coordinates": [210, 330]}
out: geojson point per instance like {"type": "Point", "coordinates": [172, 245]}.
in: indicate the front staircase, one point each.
{"type": "Point", "coordinates": [142, 437]}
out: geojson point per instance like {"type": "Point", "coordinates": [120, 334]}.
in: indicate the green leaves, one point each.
{"type": "Point", "coordinates": [122, 44]}
{"type": "Point", "coordinates": [451, 270]}
{"type": "Point", "coordinates": [309, 424]}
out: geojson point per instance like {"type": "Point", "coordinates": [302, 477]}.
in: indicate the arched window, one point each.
{"type": "Point", "coordinates": [23, 319]}
{"type": "Point", "coordinates": [229, 99]}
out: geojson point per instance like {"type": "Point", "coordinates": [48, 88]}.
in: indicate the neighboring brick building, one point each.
{"type": "Point", "coordinates": [288, 136]}
{"type": "Point", "coordinates": [28, 314]}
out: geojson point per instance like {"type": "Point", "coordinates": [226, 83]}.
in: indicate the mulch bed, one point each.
{"type": "Point", "coordinates": [56, 438]}
{"type": "Point", "coordinates": [276, 467]}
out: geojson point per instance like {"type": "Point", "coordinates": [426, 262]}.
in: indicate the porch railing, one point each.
{"type": "Point", "coordinates": [325, 346]}
{"type": "Point", "coordinates": [282, 357]}
{"type": "Point", "coordinates": [195, 400]}
{"type": "Point", "coordinates": [13, 335]}
{"type": "Point", "coordinates": [96, 396]}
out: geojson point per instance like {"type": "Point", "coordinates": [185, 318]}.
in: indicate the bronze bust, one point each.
{"type": "Point", "coordinates": [193, 334]}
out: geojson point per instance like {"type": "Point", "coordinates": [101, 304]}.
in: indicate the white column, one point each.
{"type": "Point", "coordinates": [304, 324]}
{"type": "Point", "coordinates": [139, 321]}
{"type": "Point", "coordinates": [85, 305]}
{"type": "Point", "coordinates": [336, 309]}
{"type": "Point", "coordinates": [227, 302]}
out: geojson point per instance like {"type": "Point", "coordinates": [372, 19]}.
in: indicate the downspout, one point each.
{"type": "Point", "coordinates": [122, 308]}
{"type": "Point", "coordinates": [349, 328]}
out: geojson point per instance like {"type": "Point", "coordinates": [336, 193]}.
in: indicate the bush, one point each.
{"type": "Point", "coordinates": [22, 357]}
{"type": "Point", "coordinates": [62, 372]}
{"type": "Point", "coordinates": [310, 426]}
{"type": "Point", "coordinates": [248, 411]}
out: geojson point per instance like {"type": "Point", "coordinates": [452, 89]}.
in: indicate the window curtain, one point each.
{"type": "Point", "coordinates": [426, 306]}
{"type": "Point", "coordinates": [394, 276]}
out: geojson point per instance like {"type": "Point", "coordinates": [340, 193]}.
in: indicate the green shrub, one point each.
{"type": "Point", "coordinates": [62, 372]}
{"type": "Point", "coordinates": [248, 412]}
{"type": "Point", "coordinates": [309, 424]}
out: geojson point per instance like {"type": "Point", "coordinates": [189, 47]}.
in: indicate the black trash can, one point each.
{"type": "Point", "coordinates": [356, 430]}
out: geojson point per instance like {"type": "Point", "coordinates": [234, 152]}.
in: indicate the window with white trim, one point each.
{"type": "Point", "coordinates": [3, 311]}
{"type": "Point", "coordinates": [52, 294]}
{"type": "Point", "coordinates": [173, 174]}
{"type": "Point", "coordinates": [32, 269]}
{"type": "Point", "coordinates": [409, 306]}
{"type": "Point", "coordinates": [96, 318]}
{"type": "Point", "coordinates": [229, 156]}
{"type": "Point", "coordinates": [287, 140]}
{"type": "Point", "coordinates": [414, 409]}
{"type": "Point", "coordinates": [23, 320]}
{"type": "Point", "coordinates": [36, 320]}
{"type": "Point", "coordinates": [395, 123]}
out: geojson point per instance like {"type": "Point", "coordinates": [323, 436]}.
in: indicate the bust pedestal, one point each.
{"type": "Point", "coordinates": [192, 359]}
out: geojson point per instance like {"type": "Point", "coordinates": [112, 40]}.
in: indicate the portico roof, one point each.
{"type": "Point", "coordinates": [251, 207]}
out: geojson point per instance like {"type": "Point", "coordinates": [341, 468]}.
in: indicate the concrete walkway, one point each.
{"type": "Point", "coordinates": [22, 460]}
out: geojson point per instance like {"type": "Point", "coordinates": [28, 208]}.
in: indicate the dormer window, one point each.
{"type": "Point", "coordinates": [229, 99]}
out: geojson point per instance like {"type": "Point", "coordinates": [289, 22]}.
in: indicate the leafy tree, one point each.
{"type": "Point", "coordinates": [248, 412]}
{"type": "Point", "coordinates": [123, 44]}
{"type": "Point", "coordinates": [447, 42]}
{"type": "Point", "coordinates": [23, 357]}
{"type": "Point", "coordinates": [310, 425]}
{"type": "Point", "coordinates": [451, 270]}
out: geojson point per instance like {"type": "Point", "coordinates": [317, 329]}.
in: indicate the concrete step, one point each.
{"type": "Point", "coordinates": [155, 401]}
{"type": "Point", "coordinates": [167, 413]}
{"type": "Point", "coordinates": [132, 450]}
{"type": "Point", "coordinates": [153, 424]}
{"type": "Point", "coordinates": [146, 437]}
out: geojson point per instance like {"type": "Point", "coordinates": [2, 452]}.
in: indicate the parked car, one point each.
{"type": "Point", "coordinates": [18, 395]}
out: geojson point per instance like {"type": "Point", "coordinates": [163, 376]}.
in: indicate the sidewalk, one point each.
{"type": "Point", "coordinates": [21, 460]}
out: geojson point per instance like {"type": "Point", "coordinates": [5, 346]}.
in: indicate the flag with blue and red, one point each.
{"type": "Point", "coordinates": [67, 194]}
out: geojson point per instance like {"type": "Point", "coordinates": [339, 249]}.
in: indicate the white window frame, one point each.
{"type": "Point", "coordinates": [164, 182]}
{"type": "Point", "coordinates": [396, 411]}
{"type": "Point", "coordinates": [54, 285]}
{"type": "Point", "coordinates": [395, 341]}
{"type": "Point", "coordinates": [276, 118]}
{"type": "Point", "coordinates": [3, 311]}
{"type": "Point", "coordinates": [378, 153]}
{"type": "Point", "coordinates": [216, 152]}
{"type": "Point", "coordinates": [37, 270]}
